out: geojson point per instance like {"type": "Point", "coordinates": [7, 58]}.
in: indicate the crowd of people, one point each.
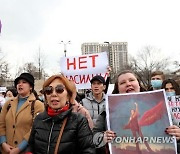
{"type": "Point", "coordinates": [59, 121]}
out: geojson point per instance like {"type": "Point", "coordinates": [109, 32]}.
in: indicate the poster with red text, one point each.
{"type": "Point", "coordinates": [174, 105]}
{"type": "Point", "coordinates": [139, 121]}
{"type": "Point", "coordinates": [81, 69]}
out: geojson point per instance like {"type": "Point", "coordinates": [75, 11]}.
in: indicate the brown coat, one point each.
{"type": "Point", "coordinates": [16, 126]}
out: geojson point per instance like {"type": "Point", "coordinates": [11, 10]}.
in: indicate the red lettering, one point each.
{"type": "Point", "coordinates": [177, 103]}
{"type": "Point", "coordinates": [177, 115]}
{"type": "Point", "coordinates": [88, 78]}
{"type": "Point", "coordinates": [170, 103]}
{"type": "Point", "coordinates": [82, 62]}
{"type": "Point", "coordinates": [70, 78]}
{"type": "Point", "coordinates": [69, 63]}
{"type": "Point", "coordinates": [93, 60]}
{"type": "Point", "coordinates": [82, 78]}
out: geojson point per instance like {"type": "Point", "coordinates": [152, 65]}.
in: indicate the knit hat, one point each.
{"type": "Point", "coordinates": [98, 78]}
{"type": "Point", "coordinates": [26, 76]}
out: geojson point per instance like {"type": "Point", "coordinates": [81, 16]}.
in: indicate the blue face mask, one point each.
{"type": "Point", "coordinates": [170, 93]}
{"type": "Point", "coordinates": [156, 84]}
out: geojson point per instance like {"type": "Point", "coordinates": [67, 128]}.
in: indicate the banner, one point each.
{"type": "Point", "coordinates": [139, 121]}
{"type": "Point", "coordinates": [174, 105]}
{"type": "Point", "coordinates": [81, 69]}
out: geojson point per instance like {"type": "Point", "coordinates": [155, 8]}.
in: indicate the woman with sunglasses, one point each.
{"type": "Point", "coordinates": [58, 129]}
{"type": "Point", "coordinates": [17, 116]}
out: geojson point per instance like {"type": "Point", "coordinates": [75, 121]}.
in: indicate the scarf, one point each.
{"type": "Point", "coordinates": [52, 112]}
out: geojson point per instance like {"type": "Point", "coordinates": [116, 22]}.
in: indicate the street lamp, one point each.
{"type": "Point", "coordinates": [65, 44]}
{"type": "Point", "coordinates": [109, 56]}
{"type": "Point", "coordinates": [109, 50]}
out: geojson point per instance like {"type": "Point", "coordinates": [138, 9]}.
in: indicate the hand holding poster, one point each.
{"type": "Point", "coordinates": [140, 120]}
{"type": "Point", "coordinates": [174, 105]}
{"type": "Point", "coordinates": [81, 69]}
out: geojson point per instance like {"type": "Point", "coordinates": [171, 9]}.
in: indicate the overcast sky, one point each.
{"type": "Point", "coordinates": [30, 24]}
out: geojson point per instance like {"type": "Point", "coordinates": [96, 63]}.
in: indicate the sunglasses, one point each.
{"type": "Point", "coordinates": [49, 90]}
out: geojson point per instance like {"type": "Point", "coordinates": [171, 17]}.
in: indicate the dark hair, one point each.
{"type": "Point", "coordinates": [158, 73]}
{"type": "Point", "coordinates": [13, 90]}
{"type": "Point", "coordinates": [174, 84]}
{"type": "Point", "coordinates": [116, 90]}
{"type": "Point", "coordinates": [26, 76]}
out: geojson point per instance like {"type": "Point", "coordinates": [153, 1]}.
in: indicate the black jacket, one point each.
{"type": "Point", "coordinates": [76, 138]}
{"type": "Point", "coordinates": [98, 130]}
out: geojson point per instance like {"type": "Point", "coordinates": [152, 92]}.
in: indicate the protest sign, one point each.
{"type": "Point", "coordinates": [81, 69]}
{"type": "Point", "coordinates": [3, 89]}
{"type": "Point", "coordinates": [174, 105]}
{"type": "Point", "coordinates": [140, 120]}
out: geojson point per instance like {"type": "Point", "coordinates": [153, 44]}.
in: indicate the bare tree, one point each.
{"type": "Point", "coordinates": [30, 68]}
{"type": "Point", "coordinates": [148, 59]}
{"type": "Point", "coordinates": [40, 61]}
{"type": "Point", "coordinates": [4, 69]}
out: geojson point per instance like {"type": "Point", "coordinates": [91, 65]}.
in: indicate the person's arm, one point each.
{"type": "Point", "coordinates": [31, 139]}
{"type": "Point", "coordinates": [100, 133]}
{"type": "Point", "coordinates": [107, 84]}
{"type": "Point", "coordinates": [38, 108]}
{"type": "Point", "coordinates": [108, 79]}
{"type": "Point", "coordinates": [136, 110]}
{"type": "Point", "coordinates": [85, 137]}
{"type": "Point", "coordinates": [6, 147]}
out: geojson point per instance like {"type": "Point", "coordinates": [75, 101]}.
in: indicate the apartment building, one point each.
{"type": "Point", "coordinates": [117, 53]}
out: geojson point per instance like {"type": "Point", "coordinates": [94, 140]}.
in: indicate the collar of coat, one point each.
{"type": "Point", "coordinates": [91, 97]}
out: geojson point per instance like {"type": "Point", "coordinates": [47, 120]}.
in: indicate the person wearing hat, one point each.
{"type": "Point", "coordinates": [94, 102]}
{"type": "Point", "coordinates": [17, 116]}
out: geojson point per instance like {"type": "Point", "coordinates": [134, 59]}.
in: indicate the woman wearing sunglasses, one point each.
{"type": "Point", "coordinates": [58, 129]}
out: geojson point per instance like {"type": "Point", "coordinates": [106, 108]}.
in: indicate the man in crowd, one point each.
{"type": "Point", "coordinates": [157, 77]}
{"type": "Point", "coordinates": [94, 101]}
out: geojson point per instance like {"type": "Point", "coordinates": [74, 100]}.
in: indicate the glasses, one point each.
{"type": "Point", "coordinates": [49, 90]}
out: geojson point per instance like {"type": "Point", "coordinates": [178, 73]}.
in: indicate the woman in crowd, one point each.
{"type": "Point", "coordinates": [171, 87]}
{"type": "Point", "coordinates": [58, 129]}
{"type": "Point", "coordinates": [126, 82]}
{"type": "Point", "coordinates": [17, 116]}
{"type": "Point", "coordinates": [10, 93]}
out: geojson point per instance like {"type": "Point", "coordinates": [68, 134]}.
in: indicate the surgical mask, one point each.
{"type": "Point", "coordinates": [156, 84]}
{"type": "Point", "coordinates": [8, 98]}
{"type": "Point", "coordinates": [170, 93]}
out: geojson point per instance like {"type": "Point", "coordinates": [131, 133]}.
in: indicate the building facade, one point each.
{"type": "Point", "coordinates": [117, 53]}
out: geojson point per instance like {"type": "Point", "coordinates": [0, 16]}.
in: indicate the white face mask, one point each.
{"type": "Point", "coordinates": [7, 98]}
